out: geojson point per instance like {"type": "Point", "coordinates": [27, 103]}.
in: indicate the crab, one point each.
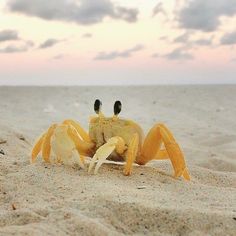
{"type": "Point", "coordinates": [111, 138]}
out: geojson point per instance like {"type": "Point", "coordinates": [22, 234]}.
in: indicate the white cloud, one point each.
{"type": "Point", "coordinates": [116, 54]}
{"type": "Point", "coordinates": [14, 49]}
{"type": "Point", "coordinates": [7, 35]}
{"type": "Point", "coordinates": [83, 12]}
{"type": "Point", "coordinates": [183, 38]}
{"type": "Point", "coordinates": [158, 9]}
{"type": "Point", "coordinates": [49, 43]}
{"type": "Point", "coordinates": [203, 42]}
{"type": "Point", "coordinates": [229, 38]}
{"type": "Point", "coordinates": [163, 38]}
{"type": "Point", "coordinates": [233, 59]}
{"type": "Point", "coordinates": [87, 35]}
{"type": "Point", "coordinates": [205, 15]}
{"type": "Point", "coordinates": [178, 54]}
{"type": "Point", "coordinates": [58, 57]}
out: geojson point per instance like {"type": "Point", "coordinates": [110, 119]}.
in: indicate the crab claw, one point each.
{"type": "Point", "coordinates": [101, 155]}
{"type": "Point", "coordinates": [105, 151]}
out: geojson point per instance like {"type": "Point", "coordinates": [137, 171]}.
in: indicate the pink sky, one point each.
{"type": "Point", "coordinates": [117, 42]}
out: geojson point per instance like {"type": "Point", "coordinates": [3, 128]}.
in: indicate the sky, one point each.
{"type": "Point", "coordinates": [81, 42]}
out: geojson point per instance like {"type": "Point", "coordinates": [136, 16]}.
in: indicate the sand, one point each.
{"type": "Point", "coordinates": [44, 199]}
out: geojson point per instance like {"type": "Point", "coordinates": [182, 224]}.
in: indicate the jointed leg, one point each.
{"type": "Point", "coordinates": [151, 150]}
{"type": "Point", "coordinates": [82, 159]}
{"type": "Point", "coordinates": [175, 153]}
{"type": "Point", "coordinates": [78, 159]}
{"type": "Point", "coordinates": [79, 129]}
{"type": "Point", "coordinates": [151, 146]}
{"type": "Point", "coordinates": [83, 147]}
{"type": "Point", "coordinates": [46, 145]}
{"type": "Point", "coordinates": [43, 144]}
{"type": "Point", "coordinates": [131, 154]}
{"type": "Point", "coordinates": [161, 155]}
{"type": "Point", "coordinates": [37, 147]}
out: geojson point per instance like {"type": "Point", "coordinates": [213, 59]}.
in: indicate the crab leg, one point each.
{"type": "Point", "coordinates": [84, 147]}
{"type": "Point", "coordinates": [79, 129]}
{"type": "Point", "coordinates": [175, 153]}
{"type": "Point", "coordinates": [131, 154]}
{"type": "Point", "coordinates": [105, 150]}
{"type": "Point", "coordinates": [46, 145]}
{"type": "Point", "coordinates": [161, 155]}
{"type": "Point", "coordinates": [82, 159]}
{"type": "Point", "coordinates": [78, 159]}
{"type": "Point", "coordinates": [37, 147]}
{"type": "Point", "coordinates": [59, 159]}
{"type": "Point", "coordinates": [151, 148]}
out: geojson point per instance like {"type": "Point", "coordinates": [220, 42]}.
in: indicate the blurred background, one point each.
{"type": "Point", "coordinates": [115, 42]}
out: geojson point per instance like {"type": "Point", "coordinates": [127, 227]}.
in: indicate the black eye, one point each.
{"type": "Point", "coordinates": [97, 106]}
{"type": "Point", "coordinates": [117, 107]}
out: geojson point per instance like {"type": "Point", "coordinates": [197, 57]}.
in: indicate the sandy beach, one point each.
{"type": "Point", "coordinates": [44, 199]}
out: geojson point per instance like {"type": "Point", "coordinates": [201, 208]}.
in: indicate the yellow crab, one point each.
{"type": "Point", "coordinates": [113, 138]}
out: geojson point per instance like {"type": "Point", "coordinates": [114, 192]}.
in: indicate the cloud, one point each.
{"type": "Point", "coordinates": [117, 54]}
{"type": "Point", "coordinates": [87, 35]}
{"type": "Point", "coordinates": [163, 38]}
{"type": "Point", "coordinates": [126, 14]}
{"type": "Point", "coordinates": [177, 54]}
{"type": "Point", "coordinates": [14, 49]}
{"type": "Point", "coordinates": [183, 38]}
{"type": "Point", "coordinates": [29, 43]}
{"type": "Point", "coordinates": [7, 35]}
{"type": "Point", "coordinates": [49, 43]}
{"type": "Point", "coordinates": [83, 12]}
{"type": "Point", "coordinates": [203, 42]}
{"type": "Point", "coordinates": [156, 55]}
{"type": "Point", "coordinates": [58, 57]}
{"type": "Point", "coordinates": [158, 9]}
{"type": "Point", "coordinates": [188, 43]}
{"type": "Point", "coordinates": [205, 15]}
{"type": "Point", "coordinates": [229, 39]}
{"type": "Point", "coordinates": [233, 59]}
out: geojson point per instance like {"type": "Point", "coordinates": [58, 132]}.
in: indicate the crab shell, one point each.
{"type": "Point", "coordinates": [102, 129]}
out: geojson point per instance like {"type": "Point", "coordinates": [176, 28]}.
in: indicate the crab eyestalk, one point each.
{"type": "Point", "coordinates": [117, 109]}
{"type": "Point", "coordinates": [98, 107]}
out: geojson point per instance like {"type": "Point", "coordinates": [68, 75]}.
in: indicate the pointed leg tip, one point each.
{"type": "Point", "coordinates": [188, 178]}
{"type": "Point", "coordinates": [186, 174]}
{"type": "Point", "coordinates": [127, 172]}
{"type": "Point", "coordinates": [82, 167]}
{"type": "Point", "coordinates": [96, 169]}
{"type": "Point", "coordinates": [89, 169]}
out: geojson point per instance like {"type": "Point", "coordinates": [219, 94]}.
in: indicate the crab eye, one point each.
{"type": "Point", "coordinates": [117, 107]}
{"type": "Point", "coordinates": [97, 106]}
